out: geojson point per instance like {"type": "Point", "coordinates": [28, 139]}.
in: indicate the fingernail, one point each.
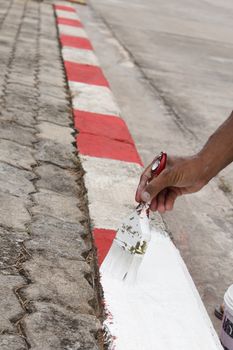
{"type": "Point", "coordinates": [145, 196]}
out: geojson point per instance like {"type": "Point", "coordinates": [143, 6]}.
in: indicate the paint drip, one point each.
{"type": "Point", "coordinates": [162, 309]}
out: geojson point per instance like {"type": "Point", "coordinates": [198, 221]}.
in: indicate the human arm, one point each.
{"type": "Point", "coordinates": [184, 175]}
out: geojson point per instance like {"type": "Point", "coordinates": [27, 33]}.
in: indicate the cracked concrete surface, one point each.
{"type": "Point", "coordinates": [48, 284]}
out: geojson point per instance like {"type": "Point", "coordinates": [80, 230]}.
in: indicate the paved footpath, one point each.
{"type": "Point", "coordinates": [47, 279]}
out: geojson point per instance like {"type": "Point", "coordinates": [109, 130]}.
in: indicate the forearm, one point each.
{"type": "Point", "coordinates": [218, 151]}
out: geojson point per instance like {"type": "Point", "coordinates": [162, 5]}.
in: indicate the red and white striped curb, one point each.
{"type": "Point", "coordinates": [109, 157]}
{"type": "Point", "coordinates": [107, 150]}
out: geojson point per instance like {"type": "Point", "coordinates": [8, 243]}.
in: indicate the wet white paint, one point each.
{"type": "Point", "coordinates": [162, 310]}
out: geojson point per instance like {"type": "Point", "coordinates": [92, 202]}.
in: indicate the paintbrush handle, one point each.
{"type": "Point", "coordinates": [158, 165]}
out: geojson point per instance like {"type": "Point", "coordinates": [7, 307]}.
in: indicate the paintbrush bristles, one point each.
{"type": "Point", "coordinates": [128, 247]}
{"type": "Point", "coordinates": [131, 276]}
{"type": "Point", "coordinates": [117, 262]}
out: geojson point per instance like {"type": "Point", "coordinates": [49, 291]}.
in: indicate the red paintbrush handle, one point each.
{"type": "Point", "coordinates": [158, 165]}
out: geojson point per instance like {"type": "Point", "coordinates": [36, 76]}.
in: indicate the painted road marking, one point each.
{"type": "Point", "coordinates": [84, 73]}
{"type": "Point", "coordinates": [104, 125]}
{"type": "Point", "coordinates": [103, 240]}
{"type": "Point", "coordinates": [67, 14]}
{"type": "Point", "coordinates": [72, 41]}
{"type": "Point", "coordinates": [111, 187]}
{"type": "Point", "coordinates": [79, 56]}
{"type": "Point", "coordinates": [64, 8]}
{"type": "Point", "coordinates": [93, 98]}
{"type": "Point", "coordinates": [70, 22]}
{"type": "Point", "coordinates": [72, 31]}
{"type": "Point", "coordinates": [104, 147]}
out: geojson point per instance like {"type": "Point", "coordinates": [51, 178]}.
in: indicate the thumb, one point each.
{"type": "Point", "coordinates": [156, 185]}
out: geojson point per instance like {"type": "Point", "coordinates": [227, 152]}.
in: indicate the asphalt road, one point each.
{"type": "Point", "coordinates": [170, 67]}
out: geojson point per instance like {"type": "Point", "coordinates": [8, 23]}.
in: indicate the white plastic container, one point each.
{"type": "Point", "coordinates": [227, 322]}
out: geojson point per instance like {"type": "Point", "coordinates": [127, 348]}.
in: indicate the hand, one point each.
{"type": "Point", "coordinates": [181, 176]}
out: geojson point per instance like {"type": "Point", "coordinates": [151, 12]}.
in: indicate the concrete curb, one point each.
{"type": "Point", "coordinates": [103, 141]}
{"type": "Point", "coordinates": [109, 157]}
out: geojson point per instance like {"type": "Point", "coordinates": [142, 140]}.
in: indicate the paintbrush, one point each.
{"type": "Point", "coordinates": [132, 237]}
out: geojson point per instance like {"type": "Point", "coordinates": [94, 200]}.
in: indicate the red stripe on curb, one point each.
{"type": "Point", "coordinates": [64, 8]}
{"type": "Point", "coordinates": [84, 73]}
{"type": "Point", "coordinates": [103, 240]}
{"type": "Point", "coordinates": [72, 41]}
{"type": "Point", "coordinates": [104, 147]}
{"type": "Point", "coordinates": [104, 125]}
{"type": "Point", "coordinates": [69, 22]}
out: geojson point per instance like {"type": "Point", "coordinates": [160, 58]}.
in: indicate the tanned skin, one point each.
{"type": "Point", "coordinates": [184, 175]}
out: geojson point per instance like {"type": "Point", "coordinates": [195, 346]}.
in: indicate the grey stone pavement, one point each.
{"type": "Point", "coordinates": [48, 283]}
{"type": "Point", "coordinates": [170, 64]}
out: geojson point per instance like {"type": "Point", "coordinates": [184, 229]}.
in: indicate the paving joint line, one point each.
{"type": "Point", "coordinates": [6, 13]}
{"type": "Point", "coordinates": [15, 166]}
{"type": "Point", "coordinates": [90, 255]}
{"type": "Point", "coordinates": [11, 59]}
{"type": "Point", "coordinates": [17, 123]}
{"type": "Point", "coordinates": [16, 142]}
{"type": "Point", "coordinates": [24, 255]}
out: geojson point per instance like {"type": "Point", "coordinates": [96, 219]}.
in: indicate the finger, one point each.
{"type": "Point", "coordinates": [170, 199]}
{"type": "Point", "coordinates": [142, 184]}
{"type": "Point", "coordinates": [156, 185]}
{"type": "Point", "coordinates": [161, 201]}
{"type": "Point", "coordinates": [154, 204]}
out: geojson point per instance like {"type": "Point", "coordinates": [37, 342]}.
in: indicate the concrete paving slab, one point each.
{"type": "Point", "coordinates": [10, 249]}
{"type": "Point", "coordinates": [51, 278]}
{"type": "Point", "coordinates": [56, 179]}
{"type": "Point", "coordinates": [17, 133]}
{"type": "Point", "coordinates": [55, 132]}
{"type": "Point", "coordinates": [55, 153]}
{"type": "Point", "coordinates": [13, 212]}
{"type": "Point", "coordinates": [54, 111]}
{"type": "Point", "coordinates": [55, 238]}
{"type": "Point", "coordinates": [9, 307]}
{"type": "Point", "coordinates": [62, 327]}
{"type": "Point", "coordinates": [13, 342]}
{"type": "Point", "coordinates": [15, 182]}
{"type": "Point", "coordinates": [24, 118]}
{"type": "Point", "coordinates": [16, 154]}
{"type": "Point", "coordinates": [58, 206]}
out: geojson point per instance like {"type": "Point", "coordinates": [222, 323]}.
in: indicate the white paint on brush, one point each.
{"type": "Point", "coordinates": [162, 310]}
{"type": "Point", "coordinates": [79, 56]}
{"type": "Point", "coordinates": [93, 98]}
{"type": "Point", "coordinates": [72, 31]}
